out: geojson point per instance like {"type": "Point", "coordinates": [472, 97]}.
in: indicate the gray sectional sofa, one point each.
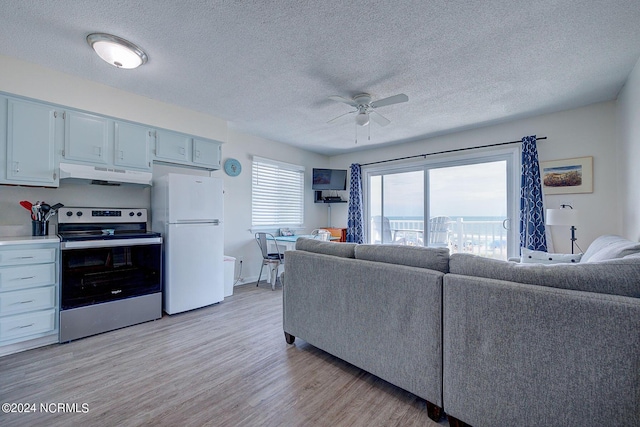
{"type": "Point", "coordinates": [491, 343]}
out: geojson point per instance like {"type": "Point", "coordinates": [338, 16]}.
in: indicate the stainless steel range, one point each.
{"type": "Point", "coordinates": [111, 270]}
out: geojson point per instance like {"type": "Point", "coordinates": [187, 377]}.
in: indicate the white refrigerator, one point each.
{"type": "Point", "coordinates": [188, 211]}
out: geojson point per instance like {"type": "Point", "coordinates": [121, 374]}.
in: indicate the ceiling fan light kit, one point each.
{"type": "Point", "coordinates": [117, 51]}
{"type": "Point", "coordinates": [362, 119]}
{"type": "Point", "coordinates": [365, 109]}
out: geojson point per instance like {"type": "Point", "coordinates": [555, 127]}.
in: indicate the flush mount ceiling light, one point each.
{"type": "Point", "coordinates": [117, 51]}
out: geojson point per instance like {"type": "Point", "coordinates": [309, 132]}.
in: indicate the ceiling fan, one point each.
{"type": "Point", "coordinates": [365, 109]}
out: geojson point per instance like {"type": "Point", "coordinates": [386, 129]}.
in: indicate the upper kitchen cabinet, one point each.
{"type": "Point", "coordinates": [30, 143]}
{"type": "Point", "coordinates": [132, 145]}
{"type": "Point", "coordinates": [178, 148]}
{"type": "Point", "coordinates": [207, 153]}
{"type": "Point", "coordinates": [86, 137]}
{"type": "Point", "coordinates": [172, 146]}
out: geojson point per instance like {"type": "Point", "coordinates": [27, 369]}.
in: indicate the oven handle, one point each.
{"type": "Point", "coordinates": [86, 244]}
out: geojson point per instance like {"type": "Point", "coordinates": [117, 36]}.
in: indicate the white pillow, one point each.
{"type": "Point", "coordinates": [538, 257]}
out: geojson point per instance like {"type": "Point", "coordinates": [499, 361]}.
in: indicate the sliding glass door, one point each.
{"type": "Point", "coordinates": [468, 202]}
{"type": "Point", "coordinates": [468, 208]}
{"type": "Point", "coordinates": [397, 208]}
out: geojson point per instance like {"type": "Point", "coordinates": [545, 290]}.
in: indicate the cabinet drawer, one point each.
{"type": "Point", "coordinates": [27, 256]}
{"type": "Point", "coordinates": [27, 300]}
{"type": "Point", "coordinates": [27, 276]}
{"type": "Point", "coordinates": [24, 325]}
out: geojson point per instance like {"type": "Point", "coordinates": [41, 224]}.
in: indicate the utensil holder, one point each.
{"type": "Point", "coordinates": [39, 228]}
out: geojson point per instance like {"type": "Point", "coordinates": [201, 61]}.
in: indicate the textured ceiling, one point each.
{"type": "Point", "coordinates": [267, 66]}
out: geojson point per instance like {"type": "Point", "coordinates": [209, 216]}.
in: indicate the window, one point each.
{"type": "Point", "coordinates": [277, 194]}
{"type": "Point", "coordinates": [468, 200]}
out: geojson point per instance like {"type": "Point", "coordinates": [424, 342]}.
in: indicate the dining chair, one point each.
{"type": "Point", "coordinates": [273, 260]}
{"type": "Point", "coordinates": [321, 234]}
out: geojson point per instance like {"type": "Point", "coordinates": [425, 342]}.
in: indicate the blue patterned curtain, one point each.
{"type": "Point", "coordinates": [355, 219]}
{"type": "Point", "coordinates": [532, 233]}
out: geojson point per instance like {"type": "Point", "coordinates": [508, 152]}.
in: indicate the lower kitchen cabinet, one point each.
{"type": "Point", "coordinates": [29, 293]}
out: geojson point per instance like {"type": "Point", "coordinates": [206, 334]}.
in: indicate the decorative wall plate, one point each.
{"type": "Point", "coordinates": [232, 167]}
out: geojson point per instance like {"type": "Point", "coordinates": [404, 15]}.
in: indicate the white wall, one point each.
{"type": "Point", "coordinates": [29, 80]}
{"type": "Point", "coordinates": [239, 240]}
{"type": "Point", "coordinates": [628, 115]}
{"type": "Point", "coordinates": [588, 131]}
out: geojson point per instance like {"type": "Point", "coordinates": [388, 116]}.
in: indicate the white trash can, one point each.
{"type": "Point", "coordinates": [229, 270]}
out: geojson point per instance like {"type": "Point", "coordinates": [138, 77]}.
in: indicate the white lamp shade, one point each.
{"type": "Point", "coordinates": [561, 217]}
{"type": "Point", "coordinates": [117, 51]}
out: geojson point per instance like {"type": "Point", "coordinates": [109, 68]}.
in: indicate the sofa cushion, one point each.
{"type": "Point", "coordinates": [344, 250]}
{"type": "Point", "coordinates": [413, 256]}
{"type": "Point", "coordinates": [614, 277]}
{"type": "Point", "coordinates": [538, 257]}
{"type": "Point", "coordinates": [609, 247]}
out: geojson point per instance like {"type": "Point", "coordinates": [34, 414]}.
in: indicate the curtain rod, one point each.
{"type": "Point", "coordinates": [448, 151]}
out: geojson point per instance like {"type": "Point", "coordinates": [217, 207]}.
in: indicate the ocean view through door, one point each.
{"type": "Point", "coordinates": [397, 208]}
{"type": "Point", "coordinates": [468, 205]}
{"type": "Point", "coordinates": [472, 201]}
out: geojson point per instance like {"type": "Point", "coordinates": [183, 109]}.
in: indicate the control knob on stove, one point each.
{"type": "Point", "coordinates": [79, 213]}
{"type": "Point", "coordinates": [139, 214]}
{"type": "Point", "coordinates": [130, 213]}
{"type": "Point", "coordinates": [69, 213]}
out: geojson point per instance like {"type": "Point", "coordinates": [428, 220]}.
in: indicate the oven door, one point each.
{"type": "Point", "coordinates": [100, 271]}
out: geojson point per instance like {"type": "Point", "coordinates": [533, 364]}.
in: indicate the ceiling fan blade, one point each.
{"type": "Point", "coordinates": [379, 118]}
{"type": "Point", "coordinates": [395, 99]}
{"type": "Point", "coordinates": [342, 99]}
{"type": "Point", "coordinates": [341, 116]}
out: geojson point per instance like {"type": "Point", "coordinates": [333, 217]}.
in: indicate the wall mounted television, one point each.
{"type": "Point", "coordinates": [329, 179]}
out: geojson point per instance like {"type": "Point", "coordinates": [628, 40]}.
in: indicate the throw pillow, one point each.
{"type": "Point", "coordinates": [539, 257]}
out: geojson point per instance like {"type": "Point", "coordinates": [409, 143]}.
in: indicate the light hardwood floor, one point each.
{"type": "Point", "coordinates": [224, 365]}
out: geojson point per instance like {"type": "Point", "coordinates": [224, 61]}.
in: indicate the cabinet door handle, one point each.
{"type": "Point", "coordinates": [197, 154]}
{"type": "Point", "coordinates": [25, 278]}
{"type": "Point", "coordinates": [23, 302]}
{"type": "Point", "coordinates": [181, 150]}
{"type": "Point", "coordinates": [24, 326]}
{"type": "Point", "coordinates": [24, 257]}
{"type": "Point", "coordinates": [97, 151]}
{"type": "Point", "coordinates": [121, 154]}
{"type": "Point", "coordinates": [16, 167]}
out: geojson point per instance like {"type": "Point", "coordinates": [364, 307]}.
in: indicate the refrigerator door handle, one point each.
{"type": "Point", "coordinates": [199, 221]}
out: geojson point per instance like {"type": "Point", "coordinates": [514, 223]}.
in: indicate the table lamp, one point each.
{"type": "Point", "coordinates": [566, 215]}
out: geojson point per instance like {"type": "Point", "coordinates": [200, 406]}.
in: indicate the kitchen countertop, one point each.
{"type": "Point", "coordinates": [26, 240]}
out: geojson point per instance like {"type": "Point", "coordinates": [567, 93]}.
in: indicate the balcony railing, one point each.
{"type": "Point", "coordinates": [486, 238]}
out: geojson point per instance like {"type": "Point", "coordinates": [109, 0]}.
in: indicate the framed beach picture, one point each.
{"type": "Point", "coordinates": [567, 176]}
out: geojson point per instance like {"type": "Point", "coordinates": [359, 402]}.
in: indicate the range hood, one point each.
{"type": "Point", "coordinates": [101, 175]}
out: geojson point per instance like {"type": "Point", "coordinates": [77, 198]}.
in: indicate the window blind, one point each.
{"type": "Point", "coordinates": [277, 193]}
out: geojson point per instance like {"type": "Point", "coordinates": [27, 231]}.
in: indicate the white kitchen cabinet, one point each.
{"type": "Point", "coordinates": [30, 143]}
{"type": "Point", "coordinates": [132, 145]}
{"type": "Point", "coordinates": [29, 288]}
{"type": "Point", "coordinates": [207, 153]}
{"type": "Point", "coordinates": [86, 137]}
